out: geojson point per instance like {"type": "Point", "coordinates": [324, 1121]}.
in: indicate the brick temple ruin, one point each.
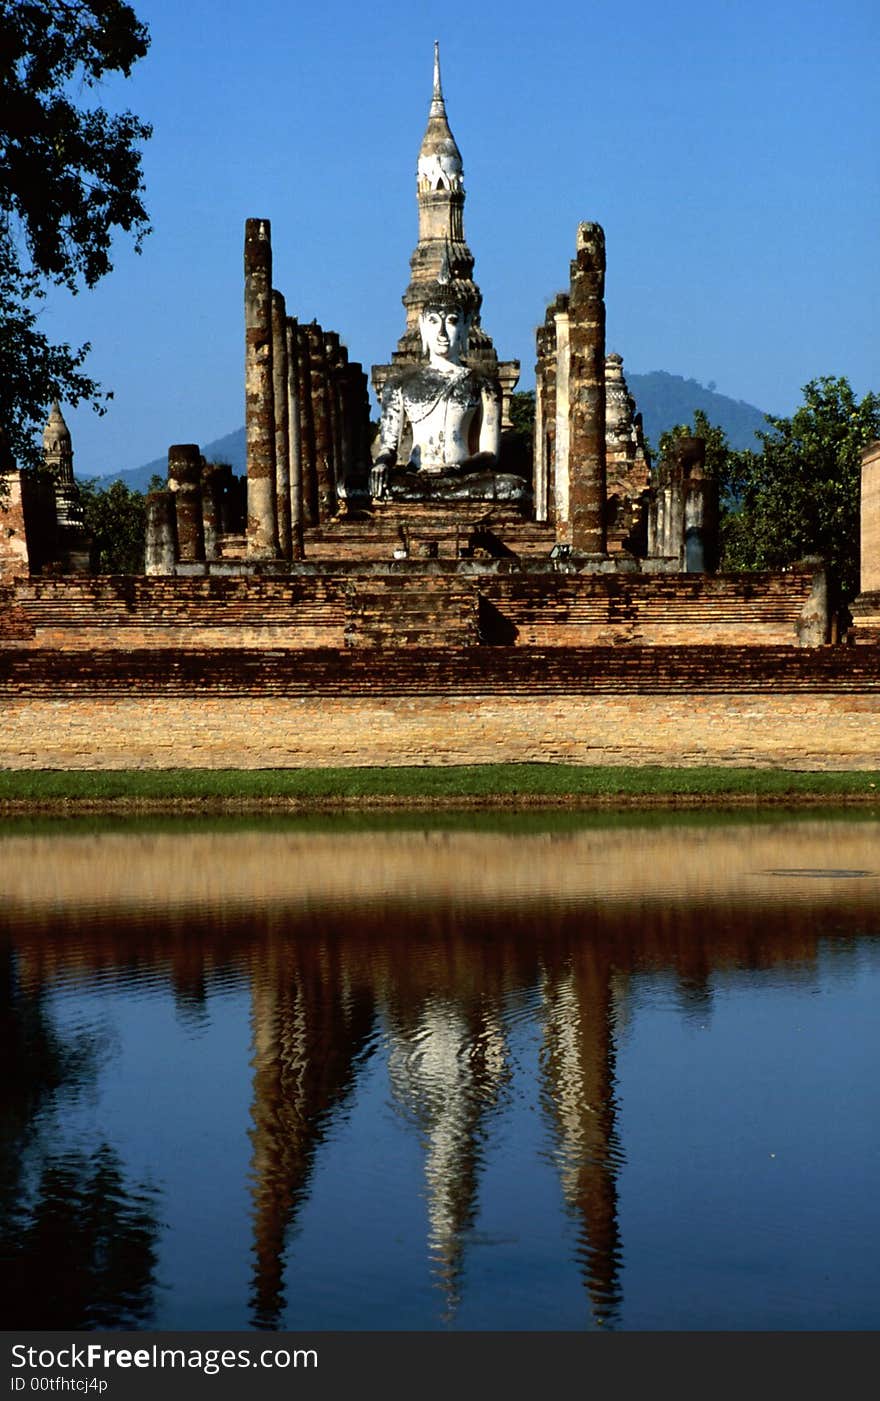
{"type": "Point", "coordinates": [315, 589]}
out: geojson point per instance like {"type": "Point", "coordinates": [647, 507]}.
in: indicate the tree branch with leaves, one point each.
{"type": "Point", "coordinates": [70, 178]}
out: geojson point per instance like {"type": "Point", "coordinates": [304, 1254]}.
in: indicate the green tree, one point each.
{"type": "Point", "coordinates": [800, 495]}
{"type": "Point", "coordinates": [70, 176]}
{"type": "Point", "coordinates": [116, 519]}
{"type": "Point", "coordinates": [522, 412]}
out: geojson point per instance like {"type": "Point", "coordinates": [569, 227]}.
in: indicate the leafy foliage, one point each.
{"type": "Point", "coordinates": [116, 520]}
{"type": "Point", "coordinates": [522, 412]}
{"type": "Point", "coordinates": [800, 496]}
{"type": "Point", "coordinates": [70, 176]}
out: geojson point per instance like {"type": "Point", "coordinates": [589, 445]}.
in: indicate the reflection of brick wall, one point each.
{"type": "Point", "coordinates": [785, 707]}
{"type": "Point", "coordinates": [13, 543]}
{"type": "Point", "coordinates": [330, 609]}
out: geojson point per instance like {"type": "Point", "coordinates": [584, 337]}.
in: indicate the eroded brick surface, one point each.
{"type": "Point", "coordinates": [777, 707]}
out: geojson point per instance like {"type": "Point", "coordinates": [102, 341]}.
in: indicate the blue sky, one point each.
{"type": "Point", "coordinates": [729, 150]}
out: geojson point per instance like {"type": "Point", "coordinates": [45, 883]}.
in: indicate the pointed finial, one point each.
{"type": "Point", "coordinates": [438, 91]}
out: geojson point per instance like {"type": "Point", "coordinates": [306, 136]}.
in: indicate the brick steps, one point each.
{"type": "Point", "coordinates": [399, 611]}
{"type": "Point", "coordinates": [450, 531]}
{"type": "Point", "coordinates": [162, 603]}
{"type": "Point", "coordinates": [377, 672]}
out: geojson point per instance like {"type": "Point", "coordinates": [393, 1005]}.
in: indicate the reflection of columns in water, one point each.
{"type": "Point", "coordinates": [309, 1028]}
{"type": "Point", "coordinates": [578, 1065]}
{"type": "Point", "coordinates": [447, 1070]}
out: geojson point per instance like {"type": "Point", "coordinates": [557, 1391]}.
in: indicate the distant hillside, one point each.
{"type": "Point", "coordinates": [230, 449]}
{"type": "Point", "coordinates": [663, 400]}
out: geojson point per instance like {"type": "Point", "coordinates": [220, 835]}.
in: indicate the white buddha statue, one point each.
{"type": "Point", "coordinates": [454, 412]}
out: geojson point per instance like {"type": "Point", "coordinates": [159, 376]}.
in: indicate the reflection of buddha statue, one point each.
{"type": "Point", "coordinates": [453, 413]}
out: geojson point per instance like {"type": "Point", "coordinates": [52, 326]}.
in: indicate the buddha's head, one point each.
{"type": "Point", "coordinates": [444, 331]}
{"type": "Point", "coordinates": [448, 311]}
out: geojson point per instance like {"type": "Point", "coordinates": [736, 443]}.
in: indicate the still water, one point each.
{"type": "Point", "coordinates": [541, 1073]}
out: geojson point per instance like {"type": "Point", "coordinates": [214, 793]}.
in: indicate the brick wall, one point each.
{"type": "Point", "coordinates": [664, 609]}
{"type": "Point", "coordinates": [13, 539]}
{"type": "Point", "coordinates": [436, 605]}
{"type": "Point", "coordinates": [777, 707]}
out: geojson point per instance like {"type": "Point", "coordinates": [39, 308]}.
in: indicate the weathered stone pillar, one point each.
{"type": "Point", "coordinates": [674, 503]}
{"type": "Point", "coordinates": [160, 554]}
{"type": "Point", "coordinates": [348, 423]}
{"type": "Point", "coordinates": [508, 378]}
{"type": "Point", "coordinates": [294, 448]}
{"type": "Point", "coordinates": [212, 493]}
{"type": "Point", "coordinates": [185, 480]}
{"type": "Point", "coordinates": [813, 625]}
{"type": "Point", "coordinates": [562, 433]}
{"type": "Point", "coordinates": [262, 532]}
{"type": "Point", "coordinates": [307, 428]}
{"type": "Point", "coordinates": [700, 510]}
{"type": "Point", "coordinates": [586, 416]}
{"type": "Point", "coordinates": [545, 347]}
{"type": "Point", "coordinates": [539, 460]}
{"type": "Point", "coordinates": [357, 428]}
{"type": "Point", "coordinates": [683, 510]}
{"type": "Point", "coordinates": [282, 423]}
{"type": "Point", "coordinates": [333, 353]}
{"type": "Point", "coordinates": [322, 423]}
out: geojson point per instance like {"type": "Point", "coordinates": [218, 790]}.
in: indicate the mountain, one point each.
{"type": "Point", "coordinates": [663, 400]}
{"type": "Point", "coordinates": [230, 449]}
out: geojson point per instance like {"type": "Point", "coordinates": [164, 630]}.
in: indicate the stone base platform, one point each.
{"type": "Point", "coordinates": [866, 619]}
{"type": "Point", "coordinates": [761, 707]}
{"type": "Point", "coordinates": [442, 603]}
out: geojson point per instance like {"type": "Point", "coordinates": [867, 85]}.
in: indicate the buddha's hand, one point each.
{"type": "Point", "coordinates": [379, 479]}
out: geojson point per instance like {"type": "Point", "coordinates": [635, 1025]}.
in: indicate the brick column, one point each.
{"type": "Point", "coordinates": [307, 429]}
{"type": "Point", "coordinates": [586, 417]}
{"type": "Point", "coordinates": [700, 510]}
{"type": "Point", "coordinates": [562, 429]}
{"type": "Point", "coordinates": [185, 481]}
{"type": "Point", "coordinates": [161, 542]}
{"type": "Point", "coordinates": [358, 412]}
{"type": "Point", "coordinates": [508, 378]}
{"type": "Point", "coordinates": [320, 396]}
{"type": "Point", "coordinates": [333, 353]}
{"type": "Point", "coordinates": [212, 490]}
{"type": "Point", "coordinates": [262, 533]}
{"type": "Point", "coordinates": [282, 423]}
{"type": "Point", "coordinates": [294, 449]}
{"type": "Point", "coordinates": [545, 346]}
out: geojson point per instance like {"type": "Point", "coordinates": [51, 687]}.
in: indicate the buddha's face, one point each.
{"type": "Point", "coordinates": [444, 333]}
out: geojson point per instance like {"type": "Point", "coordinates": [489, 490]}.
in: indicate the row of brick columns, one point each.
{"type": "Point", "coordinates": [570, 486]}
{"type": "Point", "coordinates": [306, 414]}
{"type": "Point", "coordinates": [571, 448]}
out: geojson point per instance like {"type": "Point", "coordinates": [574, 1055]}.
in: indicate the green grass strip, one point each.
{"type": "Point", "coordinates": [488, 781]}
